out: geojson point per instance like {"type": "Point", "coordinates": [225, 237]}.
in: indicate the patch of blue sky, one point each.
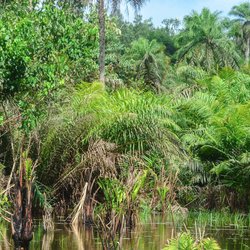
{"type": "Point", "coordinates": [162, 9]}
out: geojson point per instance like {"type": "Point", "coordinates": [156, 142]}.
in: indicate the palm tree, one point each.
{"type": "Point", "coordinates": [242, 14]}
{"type": "Point", "coordinates": [204, 43]}
{"type": "Point", "coordinates": [136, 4]}
{"type": "Point", "coordinates": [217, 123]}
{"type": "Point", "coordinates": [150, 61]}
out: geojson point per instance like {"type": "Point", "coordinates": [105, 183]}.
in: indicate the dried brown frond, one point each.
{"type": "Point", "coordinates": [103, 158]}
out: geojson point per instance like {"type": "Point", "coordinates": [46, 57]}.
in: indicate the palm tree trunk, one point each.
{"type": "Point", "coordinates": [101, 16]}
{"type": "Point", "coordinates": [30, 5]}
{"type": "Point", "coordinates": [247, 52]}
{"type": "Point", "coordinates": [21, 223]}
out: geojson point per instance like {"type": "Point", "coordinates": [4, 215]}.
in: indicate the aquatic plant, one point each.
{"type": "Point", "coordinates": [185, 241]}
{"type": "Point", "coordinates": [219, 219]}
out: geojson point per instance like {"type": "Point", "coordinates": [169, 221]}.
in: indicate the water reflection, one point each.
{"type": "Point", "coordinates": [4, 238]}
{"type": "Point", "coordinates": [47, 241]}
{"type": "Point", "coordinates": [151, 234]}
{"type": "Point", "coordinates": [83, 237]}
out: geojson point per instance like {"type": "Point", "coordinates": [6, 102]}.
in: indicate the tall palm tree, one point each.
{"type": "Point", "coordinates": [242, 14]}
{"type": "Point", "coordinates": [136, 4]}
{"type": "Point", "coordinates": [204, 43]}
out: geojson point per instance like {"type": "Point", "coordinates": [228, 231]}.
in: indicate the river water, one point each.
{"type": "Point", "coordinates": [151, 234]}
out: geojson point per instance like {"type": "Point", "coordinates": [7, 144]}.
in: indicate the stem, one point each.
{"type": "Point", "coordinates": [30, 5]}
{"type": "Point", "coordinates": [14, 155]}
{"type": "Point", "coordinates": [247, 53]}
{"type": "Point", "coordinates": [101, 16]}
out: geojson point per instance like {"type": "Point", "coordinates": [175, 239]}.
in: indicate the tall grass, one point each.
{"type": "Point", "coordinates": [219, 219]}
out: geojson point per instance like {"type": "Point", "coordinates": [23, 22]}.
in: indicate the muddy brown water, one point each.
{"type": "Point", "coordinates": [151, 234]}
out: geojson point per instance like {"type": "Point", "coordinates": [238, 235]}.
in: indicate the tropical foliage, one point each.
{"type": "Point", "coordinates": [203, 43]}
{"type": "Point", "coordinates": [241, 26]}
{"type": "Point", "coordinates": [187, 242]}
{"type": "Point", "coordinates": [169, 127]}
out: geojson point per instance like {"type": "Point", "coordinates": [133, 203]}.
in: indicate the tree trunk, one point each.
{"type": "Point", "coordinates": [101, 16]}
{"type": "Point", "coordinates": [22, 217]}
{"type": "Point", "coordinates": [31, 5]}
{"type": "Point", "coordinates": [247, 53]}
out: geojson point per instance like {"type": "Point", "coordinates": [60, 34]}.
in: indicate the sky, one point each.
{"type": "Point", "coordinates": [162, 9]}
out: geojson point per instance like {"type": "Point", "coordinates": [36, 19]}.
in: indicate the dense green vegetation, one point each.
{"type": "Point", "coordinates": [186, 241]}
{"type": "Point", "coordinates": [169, 128]}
